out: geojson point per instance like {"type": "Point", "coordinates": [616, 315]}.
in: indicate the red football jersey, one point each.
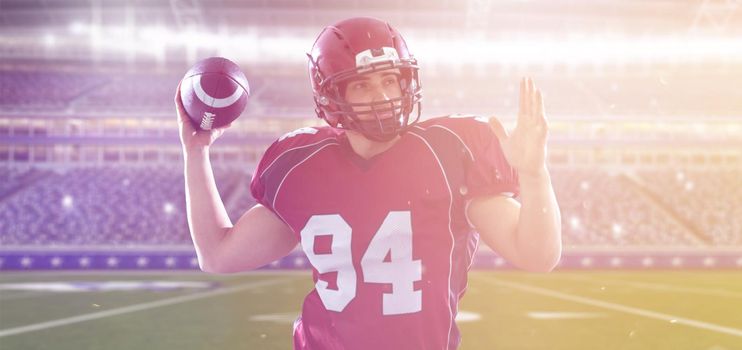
{"type": "Point", "coordinates": [387, 237]}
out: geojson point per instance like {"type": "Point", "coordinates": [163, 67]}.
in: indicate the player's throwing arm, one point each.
{"type": "Point", "coordinates": [258, 237]}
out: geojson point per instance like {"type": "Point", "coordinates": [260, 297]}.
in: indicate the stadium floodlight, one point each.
{"type": "Point", "coordinates": [581, 50]}
{"type": "Point", "coordinates": [157, 34]}
{"type": "Point", "coordinates": [617, 229]}
{"type": "Point", "coordinates": [67, 201]}
{"type": "Point", "coordinates": [78, 27]}
{"type": "Point", "coordinates": [49, 40]}
{"type": "Point", "coordinates": [169, 208]}
{"type": "Point", "coordinates": [512, 50]}
{"type": "Point", "coordinates": [124, 33]}
{"type": "Point", "coordinates": [689, 186]}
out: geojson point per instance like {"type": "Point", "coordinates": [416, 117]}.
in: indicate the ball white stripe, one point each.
{"type": "Point", "coordinates": [213, 101]}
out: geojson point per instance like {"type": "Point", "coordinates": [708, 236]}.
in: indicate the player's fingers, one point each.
{"type": "Point", "coordinates": [179, 104]}
{"type": "Point", "coordinates": [535, 116]}
{"type": "Point", "coordinates": [184, 121]}
{"type": "Point", "coordinates": [176, 99]}
{"type": "Point", "coordinates": [523, 99]}
{"type": "Point", "coordinates": [539, 105]}
{"type": "Point", "coordinates": [531, 99]}
{"type": "Point", "coordinates": [220, 130]}
{"type": "Point", "coordinates": [223, 127]}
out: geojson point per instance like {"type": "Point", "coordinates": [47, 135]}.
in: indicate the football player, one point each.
{"type": "Point", "coordinates": [388, 209]}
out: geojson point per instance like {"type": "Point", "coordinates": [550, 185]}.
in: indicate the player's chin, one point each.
{"type": "Point", "coordinates": [373, 116]}
{"type": "Point", "coordinates": [355, 133]}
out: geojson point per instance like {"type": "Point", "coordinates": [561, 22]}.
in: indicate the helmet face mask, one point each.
{"type": "Point", "coordinates": [354, 49]}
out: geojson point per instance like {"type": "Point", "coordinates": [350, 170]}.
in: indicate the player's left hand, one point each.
{"type": "Point", "coordinates": [525, 146]}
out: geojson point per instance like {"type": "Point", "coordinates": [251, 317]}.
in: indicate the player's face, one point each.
{"type": "Point", "coordinates": [373, 87]}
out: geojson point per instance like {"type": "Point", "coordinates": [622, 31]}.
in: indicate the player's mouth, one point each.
{"type": "Point", "coordinates": [385, 115]}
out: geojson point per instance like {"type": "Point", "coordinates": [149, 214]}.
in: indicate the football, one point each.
{"type": "Point", "coordinates": [214, 92]}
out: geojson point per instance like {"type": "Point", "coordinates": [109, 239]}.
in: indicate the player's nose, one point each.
{"type": "Point", "coordinates": [379, 93]}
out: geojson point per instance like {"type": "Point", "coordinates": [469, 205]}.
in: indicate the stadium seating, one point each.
{"type": "Point", "coordinates": [146, 206]}
{"type": "Point", "coordinates": [601, 209]}
{"type": "Point", "coordinates": [44, 91]}
{"type": "Point", "coordinates": [103, 206]}
{"type": "Point", "coordinates": [597, 97]}
{"type": "Point", "coordinates": [710, 200]}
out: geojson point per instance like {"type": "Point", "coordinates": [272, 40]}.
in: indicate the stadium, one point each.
{"type": "Point", "coordinates": [645, 155]}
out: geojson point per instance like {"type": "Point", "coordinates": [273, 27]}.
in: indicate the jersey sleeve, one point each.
{"type": "Point", "coordinates": [258, 185]}
{"type": "Point", "coordinates": [279, 158]}
{"type": "Point", "coordinates": [487, 170]}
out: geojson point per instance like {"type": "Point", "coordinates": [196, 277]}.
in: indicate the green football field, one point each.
{"type": "Point", "coordinates": [700, 310]}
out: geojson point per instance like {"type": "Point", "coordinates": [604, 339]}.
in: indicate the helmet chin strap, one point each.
{"type": "Point", "coordinates": [381, 130]}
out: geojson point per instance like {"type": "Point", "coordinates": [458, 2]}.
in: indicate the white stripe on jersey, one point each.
{"type": "Point", "coordinates": [292, 149]}
{"type": "Point", "coordinates": [278, 190]}
{"type": "Point", "coordinates": [450, 231]}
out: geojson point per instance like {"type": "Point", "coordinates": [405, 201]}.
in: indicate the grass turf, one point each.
{"type": "Point", "coordinates": [511, 310]}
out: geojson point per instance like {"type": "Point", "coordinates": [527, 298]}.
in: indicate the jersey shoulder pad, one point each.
{"type": "Point", "coordinates": [308, 133]}
{"type": "Point", "coordinates": [465, 123]}
{"type": "Point", "coordinates": [304, 137]}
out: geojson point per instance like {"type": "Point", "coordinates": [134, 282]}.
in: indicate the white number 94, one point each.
{"type": "Point", "coordinates": [394, 237]}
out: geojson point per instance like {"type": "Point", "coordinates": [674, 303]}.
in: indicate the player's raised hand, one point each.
{"type": "Point", "coordinates": [525, 146]}
{"type": "Point", "coordinates": [190, 137]}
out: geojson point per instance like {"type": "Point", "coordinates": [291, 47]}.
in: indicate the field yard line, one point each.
{"type": "Point", "coordinates": [137, 307]}
{"type": "Point", "coordinates": [562, 315]}
{"type": "Point", "coordinates": [618, 307]}
{"type": "Point", "coordinates": [661, 286]}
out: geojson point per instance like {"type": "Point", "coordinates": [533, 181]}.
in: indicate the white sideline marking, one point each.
{"type": "Point", "coordinates": [621, 308]}
{"type": "Point", "coordinates": [663, 287]}
{"type": "Point", "coordinates": [466, 316]}
{"type": "Point", "coordinates": [550, 315]}
{"type": "Point", "coordinates": [136, 307]}
{"type": "Point", "coordinates": [288, 317]}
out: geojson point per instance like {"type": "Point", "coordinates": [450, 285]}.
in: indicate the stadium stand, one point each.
{"type": "Point", "coordinates": [103, 206]}
{"type": "Point", "coordinates": [711, 200]}
{"type": "Point", "coordinates": [44, 91]}
{"type": "Point", "coordinates": [601, 209]}
{"type": "Point", "coordinates": [146, 206]}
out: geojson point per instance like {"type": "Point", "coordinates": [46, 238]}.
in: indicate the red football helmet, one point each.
{"type": "Point", "coordinates": [354, 47]}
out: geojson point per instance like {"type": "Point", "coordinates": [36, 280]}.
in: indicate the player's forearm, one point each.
{"type": "Point", "coordinates": [207, 218]}
{"type": "Point", "coordinates": [539, 235]}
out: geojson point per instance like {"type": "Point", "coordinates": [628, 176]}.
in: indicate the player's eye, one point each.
{"type": "Point", "coordinates": [390, 80]}
{"type": "Point", "coordinates": [359, 85]}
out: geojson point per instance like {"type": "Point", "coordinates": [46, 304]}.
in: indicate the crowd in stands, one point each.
{"type": "Point", "coordinates": [146, 206]}
{"type": "Point", "coordinates": [102, 206]}
{"type": "Point", "coordinates": [603, 209]}
{"type": "Point", "coordinates": [712, 201]}
{"type": "Point", "coordinates": [132, 93]}
{"type": "Point", "coordinates": [632, 94]}
{"type": "Point", "coordinates": [45, 91]}
{"type": "Point", "coordinates": [30, 91]}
